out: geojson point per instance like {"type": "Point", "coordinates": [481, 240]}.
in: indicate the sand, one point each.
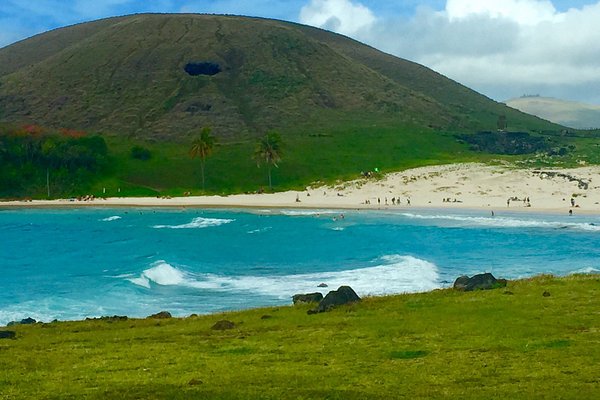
{"type": "Point", "coordinates": [454, 186]}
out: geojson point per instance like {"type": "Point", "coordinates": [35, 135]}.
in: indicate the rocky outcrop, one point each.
{"type": "Point", "coordinates": [161, 315]}
{"type": "Point", "coordinates": [307, 298]}
{"type": "Point", "coordinates": [344, 295]}
{"type": "Point", "coordinates": [26, 321]}
{"type": "Point", "coordinates": [223, 325]}
{"type": "Point", "coordinates": [478, 282]}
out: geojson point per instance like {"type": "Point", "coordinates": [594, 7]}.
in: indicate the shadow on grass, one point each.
{"type": "Point", "coordinates": [408, 354]}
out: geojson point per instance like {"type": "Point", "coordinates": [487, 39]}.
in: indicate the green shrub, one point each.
{"type": "Point", "coordinates": [140, 153]}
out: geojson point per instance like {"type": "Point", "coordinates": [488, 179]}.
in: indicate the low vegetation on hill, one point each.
{"type": "Point", "coordinates": [534, 339]}
{"type": "Point", "coordinates": [60, 161]}
{"type": "Point", "coordinates": [40, 162]}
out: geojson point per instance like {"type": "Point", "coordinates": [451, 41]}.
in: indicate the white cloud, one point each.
{"type": "Point", "coordinates": [342, 16]}
{"type": "Point", "coordinates": [524, 12]}
{"type": "Point", "coordinates": [501, 48]}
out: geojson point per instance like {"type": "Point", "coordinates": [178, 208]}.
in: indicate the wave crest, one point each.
{"type": "Point", "coordinates": [162, 274]}
{"type": "Point", "coordinates": [393, 274]}
{"type": "Point", "coordinates": [506, 222]}
{"type": "Point", "coordinates": [196, 223]}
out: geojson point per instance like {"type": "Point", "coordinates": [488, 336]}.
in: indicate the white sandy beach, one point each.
{"type": "Point", "coordinates": [472, 186]}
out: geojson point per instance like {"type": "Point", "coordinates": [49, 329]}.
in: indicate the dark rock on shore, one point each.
{"type": "Point", "coordinates": [307, 298]}
{"type": "Point", "coordinates": [161, 315]}
{"type": "Point", "coordinates": [26, 321]}
{"type": "Point", "coordinates": [223, 325]}
{"type": "Point", "coordinates": [478, 282]}
{"type": "Point", "coordinates": [8, 334]}
{"type": "Point", "coordinates": [109, 318]}
{"type": "Point", "coordinates": [344, 295]}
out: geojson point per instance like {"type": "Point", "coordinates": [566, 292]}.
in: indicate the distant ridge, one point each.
{"type": "Point", "coordinates": [161, 76]}
{"type": "Point", "coordinates": [568, 113]}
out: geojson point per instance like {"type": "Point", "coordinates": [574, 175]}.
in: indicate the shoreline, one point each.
{"type": "Point", "coordinates": [462, 187]}
{"type": "Point", "coordinates": [447, 288]}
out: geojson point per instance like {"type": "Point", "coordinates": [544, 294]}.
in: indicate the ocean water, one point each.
{"type": "Point", "coordinates": [75, 263]}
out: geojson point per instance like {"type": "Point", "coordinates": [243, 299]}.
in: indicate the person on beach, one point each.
{"type": "Point", "coordinates": [570, 213]}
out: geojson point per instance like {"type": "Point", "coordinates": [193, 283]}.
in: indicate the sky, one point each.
{"type": "Point", "coordinates": [501, 48]}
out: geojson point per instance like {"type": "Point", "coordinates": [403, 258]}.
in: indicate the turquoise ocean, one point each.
{"type": "Point", "coordinates": [71, 264]}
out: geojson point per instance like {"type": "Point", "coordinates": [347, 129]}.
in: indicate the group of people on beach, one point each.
{"type": "Point", "coordinates": [87, 197]}
{"type": "Point", "coordinates": [448, 200]}
{"type": "Point", "coordinates": [394, 201]}
{"type": "Point", "coordinates": [525, 200]}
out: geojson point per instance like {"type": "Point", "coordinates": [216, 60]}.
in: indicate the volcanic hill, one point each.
{"type": "Point", "coordinates": [573, 114]}
{"type": "Point", "coordinates": [164, 76]}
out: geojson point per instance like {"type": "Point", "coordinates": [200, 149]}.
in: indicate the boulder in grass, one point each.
{"type": "Point", "coordinates": [344, 295]}
{"type": "Point", "coordinates": [161, 315]}
{"type": "Point", "coordinates": [478, 282]}
{"type": "Point", "coordinates": [223, 325]}
{"type": "Point", "coordinates": [307, 298]}
{"type": "Point", "coordinates": [26, 321]}
{"type": "Point", "coordinates": [8, 334]}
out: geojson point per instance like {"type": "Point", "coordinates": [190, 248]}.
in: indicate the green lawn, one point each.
{"type": "Point", "coordinates": [511, 343]}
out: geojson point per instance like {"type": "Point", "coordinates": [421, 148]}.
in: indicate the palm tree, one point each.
{"type": "Point", "coordinates": [202, 147]}
{"type": "Point", "coordinates": [268, 150]}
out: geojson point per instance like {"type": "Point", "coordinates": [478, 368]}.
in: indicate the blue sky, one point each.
{"type": "Point", "coordinates": [501, 48]}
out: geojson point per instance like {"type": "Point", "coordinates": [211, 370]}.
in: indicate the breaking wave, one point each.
{"type": "Point", "coordinates": [392, 274]}
{"type": "Point", "coordinates": [197, 223]}
{"type": "Point", "coordinates": [304, 213]}
{"type": "Point", "coordinates": [587, 270]}
{"type": "Point", "coordinates": [506, 222]}
{"type": "Point", "coordinates": [113, 218]}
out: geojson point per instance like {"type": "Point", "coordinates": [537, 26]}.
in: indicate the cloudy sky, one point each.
{"type": "Point", "coordinates": [501, 48]}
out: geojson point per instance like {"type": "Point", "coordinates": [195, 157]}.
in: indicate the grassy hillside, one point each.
{"type": "Point", "coordinates": [511, 343]}
{"type": "Point", "coordinates": [127, 76]}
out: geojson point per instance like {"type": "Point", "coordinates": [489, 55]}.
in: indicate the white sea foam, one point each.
{"type": "Point", "coordinates": [260, 230]}
{"type": "Point", "coordinates": [109, 219]}
{"type": "Point", "coordinates": [506, 222]}
{"type": "Point", "coordinates": [392, 274]}
{"type": "Point", "coordinates": [161, 273]}
{"type": "Point", "coordinates": [197, 223]}
{"type": "Point", "coordinates": [587, 270]}
{"type": "Point", "coordinates": [303, 213]}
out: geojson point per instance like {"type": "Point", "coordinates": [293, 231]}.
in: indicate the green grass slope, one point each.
{"type": "Point", "coordinates": [512, 343]}
{"type": "Point", "coordinates": [126, 76]}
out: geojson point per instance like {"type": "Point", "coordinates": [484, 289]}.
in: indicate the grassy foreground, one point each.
{"type": "Point", "coordinates": [507, 343]}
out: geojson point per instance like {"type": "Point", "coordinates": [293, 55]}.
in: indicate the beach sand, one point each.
{"type": "Point", "coordinates": [453, 186]}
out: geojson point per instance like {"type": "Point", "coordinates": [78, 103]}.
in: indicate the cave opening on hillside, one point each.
{"type": "Point", "coordinates": [202, 68]}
